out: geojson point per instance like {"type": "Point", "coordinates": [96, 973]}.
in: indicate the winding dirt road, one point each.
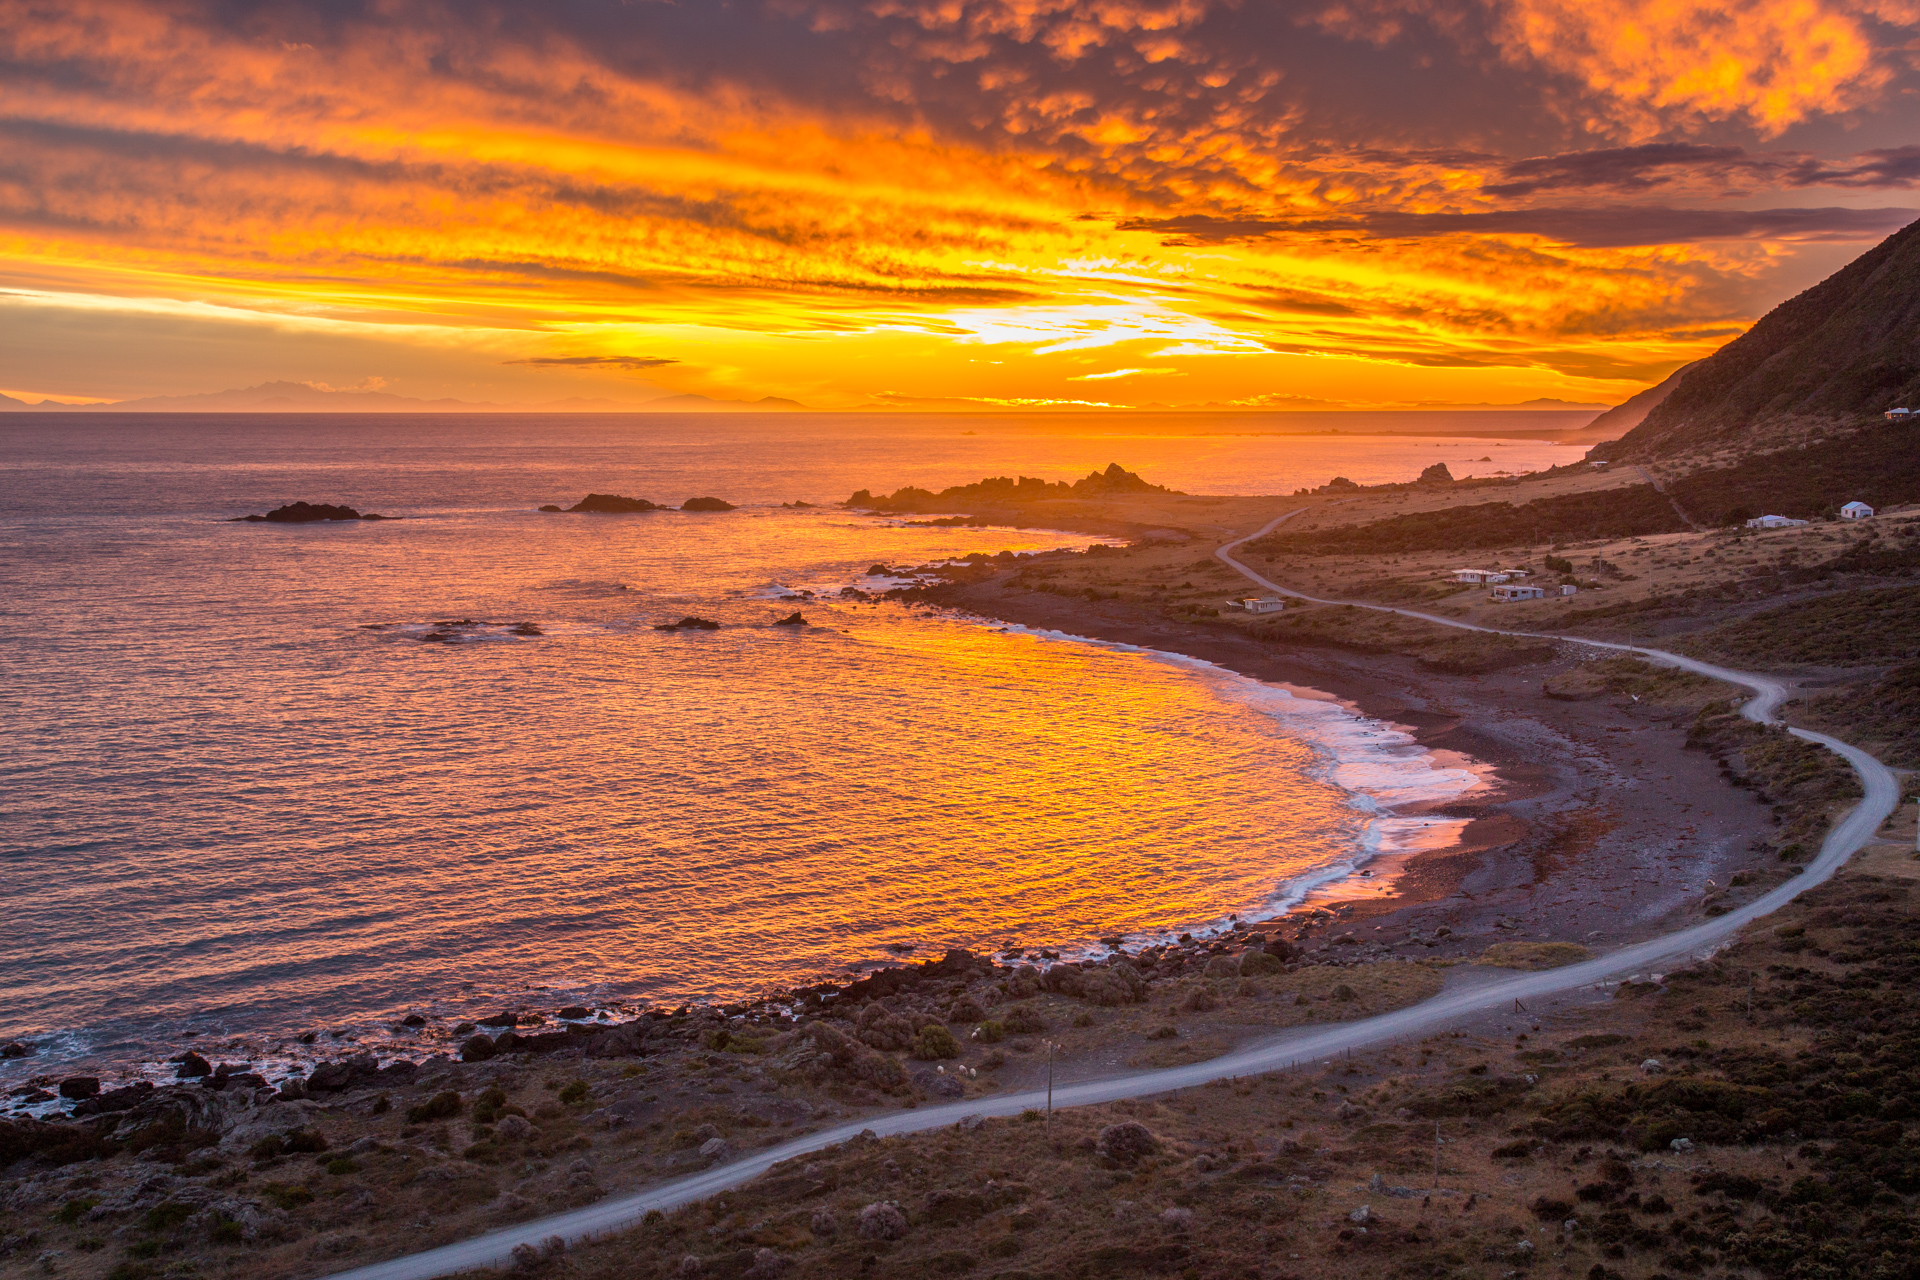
{"type": "Point", "coordinates": [1287, 1049]}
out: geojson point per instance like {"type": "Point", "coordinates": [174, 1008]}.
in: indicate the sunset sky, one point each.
{"type": "Point", "coordinates": [1339, 203]}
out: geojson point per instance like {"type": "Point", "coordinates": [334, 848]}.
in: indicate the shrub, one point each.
{"type": "Point", "coordinates": [574, 1094]}
{"type": "Point", "coordinates": [882, 1220]}
{"type": "Point", "coordinates": [341, 1167]}
{"type": "Point", "coordinates": [1222, 967]}
{"type": "Point", "coordinates": [166, 1216]}
{"type": "Point", "coordinates": [966, 1009]}
{"type": "Point", "coordinates": [486, 1108]}
{"type": "Point", "coordinates": [286, 1197]}
{"type": "Point", "coordinates": [1256, 963]}
{"type": "Point", "coordinates": [933, 1042]}
{"type": "Point", "coordinates": [438, 1107]}
{"type": "Point", "coordinates": [1127, 1142]}
{"type": "Point", "coordinates": [1200, 999]}
{"type": "Point", "coordinates": [74, 1210]}
{"type": "Point", "coordinates": [1024, 1020]}
{"type": "Point", "coordinates": [990, 1032]}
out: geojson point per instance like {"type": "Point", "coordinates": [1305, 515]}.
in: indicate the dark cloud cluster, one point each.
{"type": "Point", "coordinates": [1619, 226]}
{"type": "Point", "coordinates": [1678, 164]}
{"type": "Point", "coordinates": [595, 362]}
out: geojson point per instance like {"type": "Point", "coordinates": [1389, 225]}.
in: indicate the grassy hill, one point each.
{"type": "Point", "coordinates": [1848, 347]}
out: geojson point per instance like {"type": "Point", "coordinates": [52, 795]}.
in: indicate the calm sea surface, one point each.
{"type": "Point", "coordinates": [240, 796]}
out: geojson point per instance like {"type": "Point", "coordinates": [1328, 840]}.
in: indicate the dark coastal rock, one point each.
{"type": "Point", "coordinates": [689, 623]}
{"type": "Point", "coordinates": [613, 504]}
{"type": "Point", "coordinates": [501, 1020]}
{"type": "Point", "coordinates": [1436, 474]}
{"type": "Point", "coordinates": [80, 1086]}
{"type": "Point", "coordinates": [550, 507]}
{"type": "Point", "coordinates": [574, 1011]}
{"type": "Point", "coordinates": [413, 1020]}
{"type": "Point", "coordinates": [879, 571]}
{"type": "Point", "coordinates": [791, 620]}
{"type": "Point", "coordinates": [307, 513]}
{"type": "Point", "coordinates": [125, 1098]}
{"type": "Point", "coordinates": [706, 504]}
{"type": "Point", "coordinates": [477, 1049]}
{"type": "Point", "coordinates": [16, 1050]}
{"type": "Point", "coordinates": [348, 1073]}
{"type": "Point", "coordinates": [192, 1067]}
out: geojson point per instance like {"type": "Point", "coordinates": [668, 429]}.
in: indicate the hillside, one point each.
{"type": "Point", "coordinates": [1846, 348]}
{"type": "Point", "coordinates": [1628, 414]}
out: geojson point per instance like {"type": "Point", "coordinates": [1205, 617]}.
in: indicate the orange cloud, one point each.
{"type": "Point", "coordinates": [911, 184]}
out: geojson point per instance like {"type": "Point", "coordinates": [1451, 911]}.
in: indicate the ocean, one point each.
{"type": "Point", "coordinates": [246, 801]}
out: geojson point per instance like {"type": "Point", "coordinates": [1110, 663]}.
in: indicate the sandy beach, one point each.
{"type": "Point", "coordinates": [1599, 824]}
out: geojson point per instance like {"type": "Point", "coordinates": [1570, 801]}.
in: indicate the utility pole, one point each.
{"type": "Point", "coordinates": [1049, 1086]}
{"type": "Point", "coordinates": [1436, 1155]}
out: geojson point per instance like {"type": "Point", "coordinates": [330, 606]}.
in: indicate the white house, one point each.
{"type": "Point", "coordinates": [1477, 577]}
{"type": "Point", "coordinates": [1265, 604]}
{"type": "Point", "coordinates": [1895, 415]}
{"type": "Point", "coordinates": [1774, 522]}
{"type": "Point", "coordinates": [1856, 511]}
{"type": "Point", "coordinates": [1568, 589]}
{"type": "Point", "coordinates": [1507, 595]}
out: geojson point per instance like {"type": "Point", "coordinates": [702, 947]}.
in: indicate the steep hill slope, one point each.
{"type": "Point", "coordinates": [1847, 348]}
{"type": "Point", "coordinates": [1628, 414]}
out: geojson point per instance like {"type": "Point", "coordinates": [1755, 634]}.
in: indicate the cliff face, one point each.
{"type": "Point", "coordinates": [1845, 349]}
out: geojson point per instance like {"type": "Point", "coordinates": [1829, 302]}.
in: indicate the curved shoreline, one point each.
{"type": "Point", "coordinates": [1271, 1053]}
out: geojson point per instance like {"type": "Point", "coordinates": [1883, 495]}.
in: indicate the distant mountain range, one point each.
{"type": "Point", "coordinates": [1836, 356]}
{"type": "Point", "coordinates": [298, 397]}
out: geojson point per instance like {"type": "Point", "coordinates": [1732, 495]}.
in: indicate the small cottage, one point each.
{"type": "Point", "coordinates": [1265, 604]}
{"type": "Point", "coordinates": [1516, 591]}
{"type": "Point", "coordinates": [1898, 415]}
{"type": "Point", "coordinates": [1856, 511]}
{"type": "Point", "coordinates": [1774, 522]}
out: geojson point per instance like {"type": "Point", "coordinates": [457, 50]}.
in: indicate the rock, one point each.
{"type": "Point", "coordinates": [715, 1149]}
{"type": "Point", "coordinates": [1682, 1144]}
{"type": "Point", "coordinates": [706, 504]}
{"type": "Point", "coordinates": [1436, 474]}
{"type": "Point", "coordinates": [1651, 1067]}
{"type": "Point", "coordinates": [882, 1220]}
{"type": "Point", "coordinates": [550, 507]}
{"type": "Point", "coordinates": [358, 1071]}
{"type": "Point", "coordinates": [1126, 1142]}
{"type": "Point", "coordinates": [501, 1020]}
{"type": "Point", "coordinates": [1177, 1219]}
{"type": "Point", "coordinates": [80, 1086]}
{"type": "Point", "coordinates": [293, 1088]}
{"type": "Point", "coordinates": [15, 1049]}
{"type": "Point", "coordinates": [689, 623]}
{"type": "Point", "coordinates": [574, 1012]}
{"type": "Point", "coordinates": [513, 1129]}
{"type": "Point", "coordinates": [970, 1123]}
{"type": "Point", "coordinates": [793, 619]}
{"type": "Point", "coordinates": [945, 1086]}
{"type": "Point", "coordinates": [413, 1020]}
{"type": "Point", "coordinates": [613, 504]}
{"type": "Point", "coordinates": [1361, 1216]}
{"type": "Point", "coordinates": [477, 1049]}
{"type": "Point", "coordinates": [192, 1067]}
{"type": "Point", "coordinates": [307, 513]}
{"type": "Point", "coordinates": [879, 571]}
